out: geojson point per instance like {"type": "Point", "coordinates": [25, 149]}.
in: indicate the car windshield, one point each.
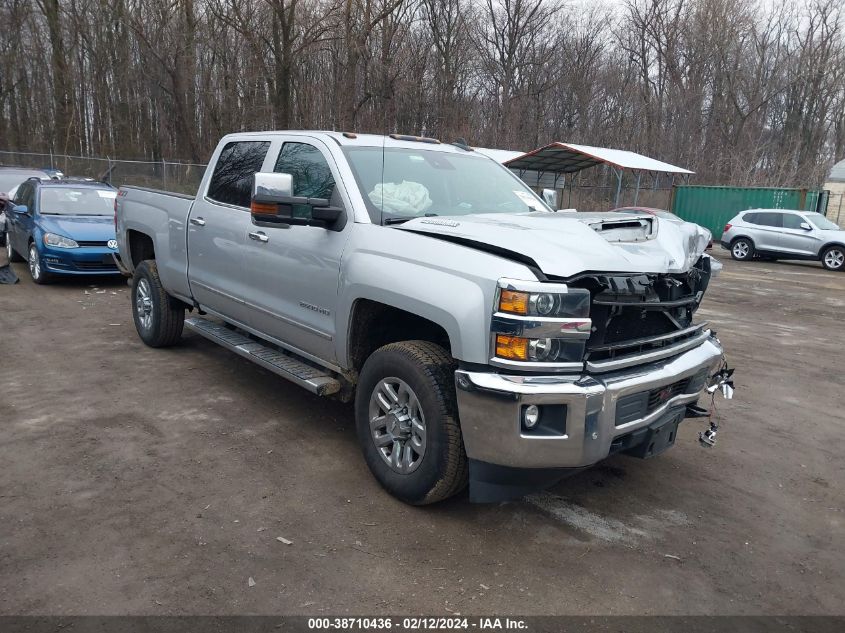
{"type": "Point", "coordinates": [399, 184]}
{"type": "Point", "coordinates": [77, 201]}
{"type": "Point", "coordinates": [822, 222]}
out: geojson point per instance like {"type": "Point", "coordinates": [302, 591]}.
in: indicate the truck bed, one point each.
{"type": "Point", "coordinates": [165, 213]}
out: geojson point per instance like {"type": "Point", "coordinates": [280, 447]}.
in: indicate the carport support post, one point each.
{"type": "Point", "coordinates": [618, 186]}
{"type": "Point", "coordinates": [637, 190]}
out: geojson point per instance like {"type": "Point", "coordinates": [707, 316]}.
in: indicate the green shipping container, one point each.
{"type": "Point", "coordinates": [712, 207]}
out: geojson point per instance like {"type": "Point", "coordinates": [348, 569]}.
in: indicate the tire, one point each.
{"type": "Point", "coordinates": [158, 317]}
{"type": "Point", "coordinates": [427, 371]}
{"type": "Point", "coordinates": [742, 249]}
{"type": "Point", "coordinates": [36, 270]}
{"type": "Point", "coordinates": [833, 257]}
{"type": "Point", "coordinates": [10, 252]}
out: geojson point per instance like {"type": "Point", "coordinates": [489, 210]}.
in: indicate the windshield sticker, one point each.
{"type": "Point", "coordinates": [107, 194]}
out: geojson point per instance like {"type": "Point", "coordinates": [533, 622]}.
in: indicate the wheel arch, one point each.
{"type": "Point", "coordinates": [373, 324]}
{"type": "Point", "coordinates": [141, 246]}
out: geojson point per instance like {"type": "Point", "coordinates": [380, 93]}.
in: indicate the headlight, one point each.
{"type": "Point", "coordinates": [539, 350]}
{"type": "Point", "coordinates": [59, 241]}
{"type": "Point", "coordinates": [541, 322]}
{"type": "Point", "coordinates": [575, 302]}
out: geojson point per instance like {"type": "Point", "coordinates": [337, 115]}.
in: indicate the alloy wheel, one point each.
{"type": "Point", "coordinates": [834, 258]}
{"type": "Point", "coordinates": [34, 263]}
{"type": "Point", "coordinates": [144, 304]}
{"type": "Point", "coordinates": [397, 425]}
{"type": "Point", "coordinates": [740, 250]}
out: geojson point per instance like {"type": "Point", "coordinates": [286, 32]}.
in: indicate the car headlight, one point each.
{"type": "Point", "coordinates": [573, 303]}
{"type": "Point", "coordinates": [59, 241]}
{"type": "Point", "coordinates": [539, 350]}
{"type": "Point", "coordinates": [536, 322]}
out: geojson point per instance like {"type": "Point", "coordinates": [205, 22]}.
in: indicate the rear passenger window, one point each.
{"type": "Point", "coordinates": [232, 180]}
{"type": "Point", "coordinates": [770, 219]}
{"type": "Point", "coordinates": [751, 218]}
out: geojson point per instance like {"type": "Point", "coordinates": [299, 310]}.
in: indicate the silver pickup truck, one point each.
{"type": "Point", "coordinates": [483, 338]}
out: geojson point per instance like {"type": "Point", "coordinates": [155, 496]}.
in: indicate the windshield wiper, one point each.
{"type": "Point", "coordinates": [389, 221]}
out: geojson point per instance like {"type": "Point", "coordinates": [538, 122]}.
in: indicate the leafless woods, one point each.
{"type": "Point", "coordinates": [741, 91]}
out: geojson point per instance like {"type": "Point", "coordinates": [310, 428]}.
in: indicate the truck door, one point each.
{"type": "Point", "coordinates": [292, 272]}
{"type": "Point", "coordinates": [217, 228]}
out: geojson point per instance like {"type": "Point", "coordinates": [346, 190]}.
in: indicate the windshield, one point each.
{"type": "Point", "coordinates": [402, 184]}
{"type": "Point", "coordinates": [822, 222]}
{"type": "Point", "coordinates": [77, 201]}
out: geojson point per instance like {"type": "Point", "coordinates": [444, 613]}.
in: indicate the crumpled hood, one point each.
{"type": "Point", "coordinates": [87, 228]}
{"type": "Point", "coordinates": [565, 244]}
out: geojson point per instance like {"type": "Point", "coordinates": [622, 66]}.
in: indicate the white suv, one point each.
{"type": "Point", "coordinates": [785, 234]}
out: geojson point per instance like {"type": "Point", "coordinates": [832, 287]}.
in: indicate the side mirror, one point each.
{"type": "Point", "coordinates": [806, 226]}
{"type": "Point", "coordinates": [273, 203]}
{"type": "Point", "coordinates": [550, 197]}
{"type": "Point", "coordinates": [20, 209]}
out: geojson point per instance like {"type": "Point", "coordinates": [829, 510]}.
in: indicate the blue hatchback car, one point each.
{"type": "Point", "coordinates": [63, 227]}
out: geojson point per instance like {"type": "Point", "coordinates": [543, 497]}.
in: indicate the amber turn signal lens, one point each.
{"type": "Point", "coordinates": [259, 208]}
{"type": "Point", "coordinates": [511, 347]}
{"type": "Point", "coordinates": [513, 302]}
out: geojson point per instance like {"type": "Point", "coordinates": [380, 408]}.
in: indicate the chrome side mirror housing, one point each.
{"type": "Point", "coordinates": [272, 188]}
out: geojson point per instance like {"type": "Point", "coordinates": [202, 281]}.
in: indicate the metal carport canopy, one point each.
{"type": "Point", "coordinates": [567, 158]}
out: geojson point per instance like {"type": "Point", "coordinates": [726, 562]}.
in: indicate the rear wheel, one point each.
{"type": "Point", "coordinates": [36, 270]}
{"type": "Point", "coordinates": [833, 258]}
{"type": "Point", "coordinates": [742, 249]}
{"type": "Point", "coordinates": [158, 317]}
{"type": "Point", "coordinates": [407, 422]}
{"type": "Point", "coordinates": [10, 252]}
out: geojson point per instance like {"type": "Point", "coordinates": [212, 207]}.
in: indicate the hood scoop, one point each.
{"type": "Point", "coordinates": [627, 229]}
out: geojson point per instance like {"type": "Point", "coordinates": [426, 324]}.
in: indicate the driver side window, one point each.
{"type": "Point", "coordinates": [312, 176]}
{"type": "Point", "coordinates": [25, 195]}
{"type": "Point", "coordinates": [792, 221]}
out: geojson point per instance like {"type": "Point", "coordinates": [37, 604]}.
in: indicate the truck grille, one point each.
{"type": "Point", "coordinates": [640, 318]}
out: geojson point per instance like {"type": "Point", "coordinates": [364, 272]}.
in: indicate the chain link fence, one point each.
{"type": "Point", "coordinates": [164, 174]}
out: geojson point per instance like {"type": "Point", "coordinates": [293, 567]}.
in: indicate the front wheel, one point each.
{"type": "Point", "coordinates": [36, 270]}
{"type": "Point", "coordinates": [407, 422]}
{"type": "Point", "coordinates": [742, 249]}
{"type": "Point", "coordinates": [833, 258]}
{"type": "Point", "coordinates": [158, 317]}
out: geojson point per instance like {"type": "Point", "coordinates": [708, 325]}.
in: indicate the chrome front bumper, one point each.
{"type": "Point", "coordinates": [490, 406]}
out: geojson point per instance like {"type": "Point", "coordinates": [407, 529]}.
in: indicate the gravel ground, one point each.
{"type": "Point", "coordinates": [140, 481]}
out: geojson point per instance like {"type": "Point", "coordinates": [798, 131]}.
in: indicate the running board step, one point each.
{"type": "Point", "coordinates": [314, 380]}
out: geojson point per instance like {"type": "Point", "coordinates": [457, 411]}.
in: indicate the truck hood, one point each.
{"type": "Point", "coordinates": [566, 244]}
{"type": "Point", "coordinates": [87, 228]}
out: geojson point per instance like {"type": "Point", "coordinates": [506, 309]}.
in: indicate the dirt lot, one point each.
{"type": "Point", "coordinates": [149, 481]}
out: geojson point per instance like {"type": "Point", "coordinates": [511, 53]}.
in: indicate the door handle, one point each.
{"type": "Point", "coordinates": [259, 236]}
{"type": "Point", "coordinates": [198, 221]}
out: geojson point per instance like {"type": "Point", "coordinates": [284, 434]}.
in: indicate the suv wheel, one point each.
{"type": "Point", "coordinates": [833, 258]}
{"type": "Point", "coordinates": [742, 249]}
{"type": "Point", "coordinates": [406, 417]}
{"type": "Point", "coordinates": [36, 270]}
{"type": "Point", "coordinates": [158, 317]}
